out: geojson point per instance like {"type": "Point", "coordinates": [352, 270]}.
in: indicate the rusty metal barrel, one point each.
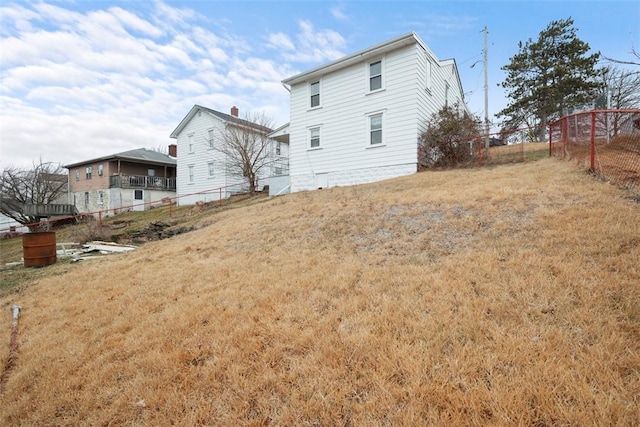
{"type": "Point", "coordinates": [39, 249]}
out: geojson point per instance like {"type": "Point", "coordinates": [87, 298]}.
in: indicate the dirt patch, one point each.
{"type": "Point", "coordinates": [156, 230]}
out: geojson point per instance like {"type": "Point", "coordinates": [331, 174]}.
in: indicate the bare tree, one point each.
{"type": "Point", "coordinates": [246, 147]}
{"type": "Point", "coordinates": [40, 185]}
{"type": "Point", "coordinates": [163, 149]}
{"type": "Point", "coordinates": [623, 87]}
{"type": "Point", "coordinates": [633, 52]}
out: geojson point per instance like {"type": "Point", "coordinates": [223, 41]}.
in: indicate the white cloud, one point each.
{"type": "Point", "coordinates": [315, 45]}
{"type": "Point", "coordinates": [280, 41]}
{"type": "Point", "coordinates": [79, 85]}
{"type": "Point", "coordinates": [338, 14]}
{"type": "Point", "coordinates": [135, 23]}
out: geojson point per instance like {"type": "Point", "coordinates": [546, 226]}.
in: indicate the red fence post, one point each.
{"type": "Point", "coordinates": [550, 142]}
{"type": "Point", "coordinates": [593, 141]}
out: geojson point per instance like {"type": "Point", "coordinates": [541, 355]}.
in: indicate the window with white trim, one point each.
{"type": "Point", "coordinates": [100, 169]}
{"type": "Point", "coordinates": [77, 174]}
{"type": "Point", "coordinates": [314, 93]}
{"type": "Point", "coordinates": [210, 168]}
{"type": "Point", "coordinates": [375, 75]}
{"type": "Point", "coordinates": [86, 199]}
{"type": "Point", "coordinates": [210, 133]}
{"type": "Point", "coordinates": [191, 143]}
{"type": "Point", "coordinates": [375, 129]}
{"type": "Point", "coordinates": [278, 148]}
{"type": "Point", "coordinates": [314, 137]}
{"type": "Point", "coordinates": [88, 172]}
{"type": "Point", "coordinates": [191, 174]}
{"type": "Point", "coordinates": [100, 198]}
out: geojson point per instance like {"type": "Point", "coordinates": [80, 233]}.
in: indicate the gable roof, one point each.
{"type": "Point", "coordinates": [223, 116]}
{"type": "Point", "coordinates": [354, 58]}
{"type": "Point", "coordinates": [139, 155]}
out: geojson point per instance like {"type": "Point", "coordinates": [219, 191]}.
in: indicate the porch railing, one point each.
{"type": "Point", "coordinates": [142, 181]}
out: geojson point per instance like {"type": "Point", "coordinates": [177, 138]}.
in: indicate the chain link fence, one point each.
{"type": "Point", "coordinates": [605, 141]}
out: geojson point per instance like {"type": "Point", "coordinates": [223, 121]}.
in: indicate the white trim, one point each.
{"type": "Point", "coordinates": [309, 129]}
{"type": "Point", "coordinates": [309, 95]}
{"type": "Point", "coordinates": [190, 139]}
{"type": "Point", "coordinates": [383, 133]}
{"type": "Point", "coordinates": [191, 175]}
{"type": "Point", "coordinates": [382, 75]}
{"type": "Point", "coordinates": [211, 133]}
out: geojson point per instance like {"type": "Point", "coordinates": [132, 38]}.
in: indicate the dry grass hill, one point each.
{"type": "Point", "coordinates": [497, 296]}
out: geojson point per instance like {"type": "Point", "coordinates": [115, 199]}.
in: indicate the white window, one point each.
{"type": "Point", "coordinates": [314, 90]}
{"type": "Point", "coordinates": [100, 169]}
{"type": "Point", "coordinates": [314, 137]}
{"type": "Point", "coordinates": [88, 172]}
{"type": "Point", "coordinates": [191, 176]}
{"type": "Point", "coordinates": [77, 174]}
{"type": "Point", "coordinates": [210, 138]}
{"type": "Point", "coordinates": [375, 75]}
{"type": "Point", "coordinates": [210, 168]}
{"type": "Point", "coordinates": [278, 170]}
{"type": "Point", "coordinates": [375, 129]}
{"type": "Point", "coordinates": [278, 148]}
{"type": "Point", "coordinates": [151, 172]}
{"type": "Point", "coordinates": [191, 143]}
{"type": "Point", "coordinates": [100, 198]}
{"type": "Point", "coordinates": [86, 199]}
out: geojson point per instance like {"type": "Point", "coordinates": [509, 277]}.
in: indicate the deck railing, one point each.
{"type": "Point", "coordinates": [142, 181]}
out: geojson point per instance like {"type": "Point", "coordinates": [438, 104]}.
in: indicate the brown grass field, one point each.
{"type": "Point", "coordinates": [499, 296]}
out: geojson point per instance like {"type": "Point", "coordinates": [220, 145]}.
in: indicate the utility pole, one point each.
{"type": "Point", "coordinates": [486, 90]}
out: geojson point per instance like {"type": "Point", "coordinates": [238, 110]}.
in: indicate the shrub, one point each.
{"type": "Point", "coordinates": [452, 139]}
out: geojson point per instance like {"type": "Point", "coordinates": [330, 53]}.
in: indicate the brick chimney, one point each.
{"type": "Point", "coordinates": [234, 111]}
{"type": "Point", "coordinates": [173, 150]}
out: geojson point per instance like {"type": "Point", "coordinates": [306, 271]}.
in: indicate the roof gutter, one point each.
{"type": "Point", "coordinates": [401, 41]}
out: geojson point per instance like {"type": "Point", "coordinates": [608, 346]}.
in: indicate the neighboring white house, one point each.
{"type": "Point", "coordinates": [358, 119]}
{"type": "Point", "coordinates": [203, 172]}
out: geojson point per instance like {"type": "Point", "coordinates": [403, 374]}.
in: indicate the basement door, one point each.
{"type": "Point", "coordinates": [322, 180]}
{"type": "Point", "coordinates": [138, 200]}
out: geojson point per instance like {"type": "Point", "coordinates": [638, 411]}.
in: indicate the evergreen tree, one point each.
{"type": "Point", "coordinates": [550, 76]}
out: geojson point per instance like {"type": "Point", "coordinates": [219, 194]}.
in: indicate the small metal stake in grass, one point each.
{"type": "Point", "coordinates": [13, 346]}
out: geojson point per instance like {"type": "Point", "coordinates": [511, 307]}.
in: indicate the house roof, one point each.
{"type": "Point", "coordinates": [454, 68]}
{"type": "Point", "coordinates": [370, 52]}
{"type": "Point", "coordinates": [281, 134]}
{"type": "Point", "coordinates": [223, 116]}
{"type": "Point", "coordinates": [139, 155]}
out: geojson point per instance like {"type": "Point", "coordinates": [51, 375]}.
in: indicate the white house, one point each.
{"type": "Point", "coordinates": [203, 171]}
{"type": "Point", "coordinates": [358, 119]}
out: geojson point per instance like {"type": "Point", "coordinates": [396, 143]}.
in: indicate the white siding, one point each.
{"type": "Point", "coordinates": [222, 184]}
{"type": "Point", "coordinates": [343, 118]}
{"type": "Point", "coordinates": [204, 187]}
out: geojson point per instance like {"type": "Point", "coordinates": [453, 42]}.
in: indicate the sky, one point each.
{"type": "Point", "coordinates": [83, 79]}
